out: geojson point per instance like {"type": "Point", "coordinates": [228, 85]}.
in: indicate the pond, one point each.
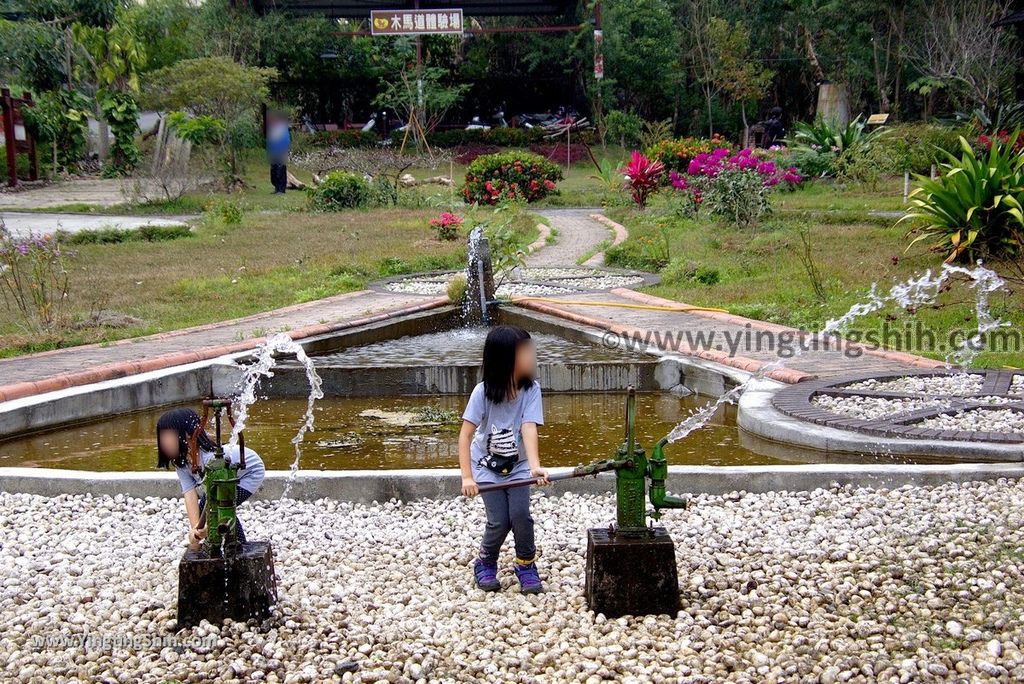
{"type": "Point", "coordinates": [396, 432]}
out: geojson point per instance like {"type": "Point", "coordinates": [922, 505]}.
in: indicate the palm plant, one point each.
{"type": "Point", "coordinates": [974, 208]}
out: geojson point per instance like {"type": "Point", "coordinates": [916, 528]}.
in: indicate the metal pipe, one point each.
{"type": "Point", "coordinates": [579, 471]}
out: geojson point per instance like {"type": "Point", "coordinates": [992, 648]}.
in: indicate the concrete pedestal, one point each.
{"type": "Point", "coordinates": [631, 575]}
{"type": "Point", "coordinates": [241, 588]}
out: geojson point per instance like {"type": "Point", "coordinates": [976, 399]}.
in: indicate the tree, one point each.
{"type": "Point", "coordinates": [115, 57]}
{"type": "Point", "coordinates": [421, 97]}
{"type": "Point", "coordinates": [958, 49]}
{"type": "Point", "coordinates": [736, 71]}
{"type": "Point", "coordinates": [219, 88]}
{"type": "Point", "coordinates": [641, 56]}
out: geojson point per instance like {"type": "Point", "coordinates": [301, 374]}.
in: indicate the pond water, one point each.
{"type": "Point", "coordinates": [578, 428]}
{"type": "Point", "coordinates": [462, 347]}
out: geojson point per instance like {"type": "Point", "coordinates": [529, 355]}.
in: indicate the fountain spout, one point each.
{"type": "Point", "coordinates": [479, 279]}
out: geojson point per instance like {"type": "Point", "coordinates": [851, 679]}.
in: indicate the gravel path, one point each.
{"type": "Point", "coordinates": [914, 584]}
{"type": "Point", "coordinates": [578, 236]}
{"type": "Point", "coordinates": [23, 224]}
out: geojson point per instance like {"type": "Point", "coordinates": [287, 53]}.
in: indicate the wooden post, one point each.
{"type": "Point", "coordinates": [33, 159]}
{"type": "Point", "coordinates": [10, 142]}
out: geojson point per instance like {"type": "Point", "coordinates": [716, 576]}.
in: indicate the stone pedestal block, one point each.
{"type": "Point", "coordinates": [631, 575]}
{"type": "Point", "coordinates": [241, 588]}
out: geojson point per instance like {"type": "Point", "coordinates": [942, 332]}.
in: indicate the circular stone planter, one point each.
{"type": "Point", "coordinates": [961, 406]}
{"type": "Point", "coordinates": [526, 281]}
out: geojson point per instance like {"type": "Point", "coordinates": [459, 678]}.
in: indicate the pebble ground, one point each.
{"type": "Point", "coordinates": [912, 584]}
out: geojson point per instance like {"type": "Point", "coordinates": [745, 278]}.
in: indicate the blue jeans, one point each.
{"type": "Point", "coordinates": [240, 497]}
{"type": "Point", "coordinates": [508, 510]}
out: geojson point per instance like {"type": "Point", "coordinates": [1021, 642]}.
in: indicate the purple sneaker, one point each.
{"type": "Point", "coordinates": [486, 573]}
{"type": "Point", "coordinates": [529, 578]}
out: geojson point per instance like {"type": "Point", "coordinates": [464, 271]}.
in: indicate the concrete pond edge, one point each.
{"type": "Point", "coordinates": [373, 486]}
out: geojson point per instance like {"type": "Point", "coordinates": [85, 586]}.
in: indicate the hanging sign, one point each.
{"type": "Point", "coordinates": [415, 22]}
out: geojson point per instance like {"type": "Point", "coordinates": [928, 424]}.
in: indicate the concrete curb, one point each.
{"type": "Point", "coordinates": [891, 355]}
{"type": "Point", "coordinates": [543, 233]}
{"type": "Point", "coordinates": [787, 375]}
{"type": "Point", "coordinates": [620, 236]}
{"type": "Point", "coordinates": [365, 486]}
{"type": "Point", "coordinates": [759, 417]}
{"type": "Point", "coordinates": [126, 368]}
{"type": "Point", "coordinates": [620, 230]}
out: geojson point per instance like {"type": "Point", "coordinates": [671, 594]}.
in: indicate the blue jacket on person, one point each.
{"type": "Point", "coordinates": [279, 140]}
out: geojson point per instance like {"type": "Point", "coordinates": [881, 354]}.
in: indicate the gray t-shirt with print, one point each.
{"type": "Point", "coordinates": [250, 481]}
{"type": "Point", "coordinates": [504, 418]}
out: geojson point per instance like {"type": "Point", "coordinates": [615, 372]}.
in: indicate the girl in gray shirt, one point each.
{"type": "Point", "coordinates": [498, 443]}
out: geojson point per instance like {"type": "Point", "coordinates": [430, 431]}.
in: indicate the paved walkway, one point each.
{"type": "Point", "coordinates": [48, 371]}
{"type": "Point", "coordinates": [578, 236]}
{"type": "Point", "coordinates": [99, 192]}
{"type": "Point", "coordinates": [23, 224]}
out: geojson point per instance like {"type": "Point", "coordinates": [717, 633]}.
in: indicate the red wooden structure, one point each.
{"type": "Point", "coordinates": [16, 136]}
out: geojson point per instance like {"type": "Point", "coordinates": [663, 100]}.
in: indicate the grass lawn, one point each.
{"type": "Point", "coordinates": [760, 273]}
{"type": "Point", "coordinates": [221, 272]}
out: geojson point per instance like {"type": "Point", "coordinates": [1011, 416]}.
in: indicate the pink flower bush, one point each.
{"type": "Point", "coordinates": [446, 225]}
{"type": "Point", "coordinates": [711, 164]}
{"type": "Point", "coordinates": [642, 177]}
{"type": "Point", "coordinates": [735, 185]}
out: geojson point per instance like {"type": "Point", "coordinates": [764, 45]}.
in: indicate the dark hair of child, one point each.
{"type": "Point", "coordinates": [500, 347]}
{"type": "Point", "coordinates": [185, 422]}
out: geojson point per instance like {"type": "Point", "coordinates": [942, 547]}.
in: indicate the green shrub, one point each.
{"type": "Point", "coordinates": [676, 154]}
{"type": "Point", "coordinates": [812, 163]}
{"type": "Point", "coordinates": [624, 128]}
{"type": "Point", "coordinates": [457, 289]}
{"type": "Point", "coordinates": [643, 253]}
{"type": "Point", "coordinates": [974, 208]}
{"type": "Point", "coordinates": [680, 272]}
{"type": "Point", "coordinates": [515, 176]}
{"type": "Point", "coordinates": [915, 147]}
{"type": "Point", "coordinates": [339, 190]}
{"type": "Point", "coordinates": [112, 236]}
{"type": "Point", "coordinates": [739, 195]}
{"type": "Point", "coordinates": [21, 164]}
{"type": "Point", "coordinates": [818, 145]}
{"type": "Point", "coordinates": [230, 213]}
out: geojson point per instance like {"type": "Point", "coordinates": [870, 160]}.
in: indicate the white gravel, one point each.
{"type": "Point", "coordinates": [982, 420]}
{"type": "Point", "coordinates": [543, 273]}
{"type": "Point", "coordinates": [952, 385]}
{"type": "Point", "coordinates": [603, 282]}
{"type": "Point", "coordinates": [912, 584]}
{"type": "Point", "coordinates": [1017, 386]}
{"type": "Point", "coordinates": [514, 289]}
{"type": "Point", "coordinates": [870, 408]}
{"type": "Point", "coordinates": [542, 282]}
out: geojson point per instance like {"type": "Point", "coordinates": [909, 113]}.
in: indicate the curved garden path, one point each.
{"type": "Point", "coordinates": [578, 236]}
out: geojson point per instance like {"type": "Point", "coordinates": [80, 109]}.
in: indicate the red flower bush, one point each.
{"type": "Point", "coordinates": [642, 177]}
{"type": "Point", "coordinates": [446, 225]}
{"type": "Point", "coordinates": [494, 178]}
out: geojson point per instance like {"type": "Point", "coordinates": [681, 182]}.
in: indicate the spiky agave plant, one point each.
{"type": "Point", "coordinates": [974, 208]}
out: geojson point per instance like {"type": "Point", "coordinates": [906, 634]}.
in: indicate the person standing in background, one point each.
{"type": "Point", "coordinates": [279, 142]}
